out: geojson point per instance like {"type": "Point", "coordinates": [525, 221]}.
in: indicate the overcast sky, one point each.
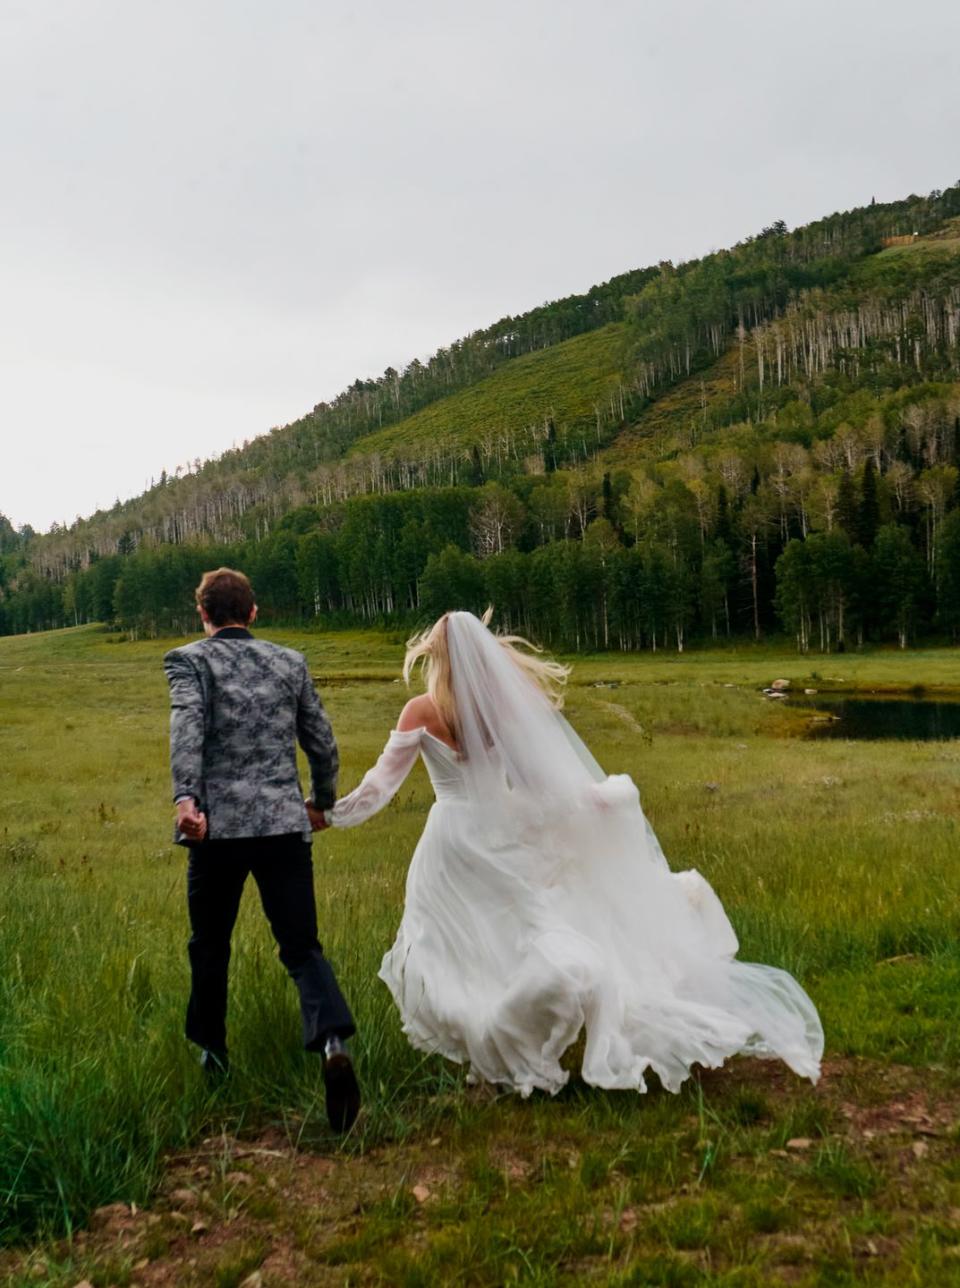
{"type": "Point", "coordinates": [216, 213]}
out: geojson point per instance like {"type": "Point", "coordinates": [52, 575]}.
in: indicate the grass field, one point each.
{"type": "Point", "coordinates": [836, 860]}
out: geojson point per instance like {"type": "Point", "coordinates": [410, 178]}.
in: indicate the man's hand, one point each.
{"type": "Point", "coordinates": [190, 821]}
{"type": "Point", "coordinates": [317, 820]}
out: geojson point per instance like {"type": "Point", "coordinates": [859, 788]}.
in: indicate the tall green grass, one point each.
{"type": "Point", "coordinates": [832, 858]}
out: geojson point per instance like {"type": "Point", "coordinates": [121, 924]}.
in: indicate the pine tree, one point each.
{"type": "Point", "coordinates": [795, 591]}
{"type": "Point", "coordinates": [848, 516]}
{"type": "Point", "coordinates": [948, 579]}
{"type": "Point", "coordinates": [607, 495]}
{"type": "Point", "coordinates": [475, 476]}
{"type": "Point", "coordinates": [869, 518]}
{"type": "Point", "coordinates": [723, 528]}
{"type": "Point", "coordinates": [550, 448]}
{"type": "Point", "coordinates": [900, 580]}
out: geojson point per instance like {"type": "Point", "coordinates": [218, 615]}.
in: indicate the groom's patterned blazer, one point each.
{"type": "Point", "coordinates": [239, 706]}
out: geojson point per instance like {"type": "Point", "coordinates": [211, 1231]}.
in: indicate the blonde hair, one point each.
{"type": "Point", "coordinates": [430, 649]}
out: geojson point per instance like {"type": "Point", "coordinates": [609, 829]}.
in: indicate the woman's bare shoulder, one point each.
{"type": "Point", "coordinates": [419, 713]}
{"type": "Point", "coordinates": [422, 713]}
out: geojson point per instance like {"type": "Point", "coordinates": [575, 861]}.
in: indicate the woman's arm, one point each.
{"type": "Point", "coordinates": [379, 784]}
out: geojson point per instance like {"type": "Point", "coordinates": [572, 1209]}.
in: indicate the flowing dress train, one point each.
{"type": "Point", "coordinates": [524, 926]}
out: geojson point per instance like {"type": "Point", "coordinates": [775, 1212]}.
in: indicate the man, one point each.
{"type": "Point", "coordinates": [239, 705]}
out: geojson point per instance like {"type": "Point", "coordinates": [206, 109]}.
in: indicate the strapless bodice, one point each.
{"type": "Point", "coordinates": [444, 767]}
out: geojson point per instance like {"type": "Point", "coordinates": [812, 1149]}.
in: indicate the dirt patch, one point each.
{"type": "Point", "coordinates": [261, 1213]}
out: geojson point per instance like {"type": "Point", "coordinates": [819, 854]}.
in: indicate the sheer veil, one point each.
{"type": "Point", "coordinates": [517, 749]}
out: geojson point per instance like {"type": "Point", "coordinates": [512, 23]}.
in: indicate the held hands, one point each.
{"type": "Point", "coordinates": [317, 820]}
{"type": "Point", "coordinates": [190, 821]}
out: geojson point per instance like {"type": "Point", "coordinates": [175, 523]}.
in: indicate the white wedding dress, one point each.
{"type": "Point", "coordinates": [539, 904]}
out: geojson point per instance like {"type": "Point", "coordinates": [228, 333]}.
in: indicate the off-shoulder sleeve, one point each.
{"type": "Point", "coordinates": [379, 784]}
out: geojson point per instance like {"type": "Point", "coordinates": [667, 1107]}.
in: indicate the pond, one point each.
{"type": "Point", "coordinates": [915, 719]}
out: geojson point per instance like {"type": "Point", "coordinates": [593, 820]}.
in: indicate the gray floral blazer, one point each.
{"type": "Point", "coordinates": [239, 706]}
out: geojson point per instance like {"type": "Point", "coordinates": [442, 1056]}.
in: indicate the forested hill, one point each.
{"type": "Point", "coordinates": [739, 443]}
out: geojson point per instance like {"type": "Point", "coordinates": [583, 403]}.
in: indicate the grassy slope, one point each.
{"type": "Point", "coordinates": [677, 415]}
{"type": "Point", "coordinates": [946, 238]}
{"type": "Point", "coordinates": [564, 381]}
{"type": "Point", "coordinates": [569, 379]}
{"type": "Point", "coordinates": [835, 860]}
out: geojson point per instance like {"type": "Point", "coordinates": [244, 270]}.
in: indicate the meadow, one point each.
{"type": "Point", "coordinates": [836, 860]}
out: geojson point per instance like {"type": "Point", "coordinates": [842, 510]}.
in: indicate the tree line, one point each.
{"type": "Point", "coordinates": [842, 528]}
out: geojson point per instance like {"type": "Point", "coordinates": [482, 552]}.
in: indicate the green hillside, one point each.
{"type": "Point", "coordinates": [681, 415]}
{"type": "Point", "coordinates": [741, 444]}
{"type": "Point", "coordinates": [572, 383]}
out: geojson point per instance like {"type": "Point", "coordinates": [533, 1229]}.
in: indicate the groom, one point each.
{"type": "Point", "coordinates": [239, 705]}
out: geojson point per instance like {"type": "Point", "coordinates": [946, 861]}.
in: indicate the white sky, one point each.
{"type": "Point", "coordinates": [216, 213]}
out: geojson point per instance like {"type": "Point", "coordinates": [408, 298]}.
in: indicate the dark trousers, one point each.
{"type": "Point", "coordinates": [283, 870]}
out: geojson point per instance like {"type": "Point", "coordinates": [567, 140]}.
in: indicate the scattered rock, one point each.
{"type": "Point", "coordinates": [810, 691]}
{"type": "Point", "coordinates": [799, 1142]}
{"type": "Point", "coordinates": [113, 1216]}
{"type": "Point", "coordinates": [514, 1167]}
{"type": "Point", "coordinates": [183, 1198]}
{"type": "Point", "coordinates": [774, 693]}
{"type": "Point", "coordinates": [920, 1148]}
{"type": "Point", "coordinates": [910, 816]}
{"type": "Point", "coordinates": [798, 1244]}
{"type": "Point", "coordinates": [421, 1193]}
{"type": "Point", "coordinates": [199, 1227]}
{"type": "Point", "coordinates": [779, 685]}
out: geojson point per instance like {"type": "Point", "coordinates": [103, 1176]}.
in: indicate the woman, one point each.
{"type": "Point", "coordinates": [539, 902]}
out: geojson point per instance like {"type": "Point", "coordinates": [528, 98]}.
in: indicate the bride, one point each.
{"type": "Point", "coordinates": [539, 902]}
